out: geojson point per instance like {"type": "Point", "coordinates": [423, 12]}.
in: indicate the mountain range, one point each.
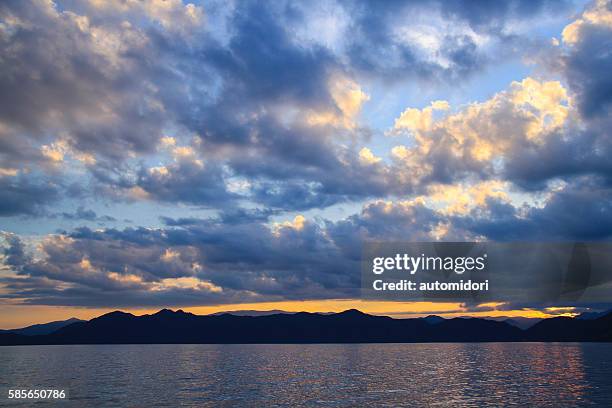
{"type": "Point", "coordinates": [44, 328]}
{"type": "Point", "coordinates": [351, 326]}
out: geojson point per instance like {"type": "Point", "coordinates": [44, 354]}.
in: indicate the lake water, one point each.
{"type": "Point", "coordinates": [343, 375]}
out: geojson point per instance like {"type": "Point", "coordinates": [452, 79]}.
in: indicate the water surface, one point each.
{"type": "Point", "coordinates": [342, 375]}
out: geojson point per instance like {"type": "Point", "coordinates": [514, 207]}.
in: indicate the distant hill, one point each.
{"type": "Point", "coordinates": [351, 326]}
{"type": "Point", "coordinates": [260, 312]}
{"type": "Point", "coordinates": [44, 328]}
{"type": "Point", "coordinates": [253, 312]}
{"type": "Point", "coordinates": [520, 322]}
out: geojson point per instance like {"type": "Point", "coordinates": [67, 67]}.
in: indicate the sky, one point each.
{"type": "Point", "coordinates": [235, 155]}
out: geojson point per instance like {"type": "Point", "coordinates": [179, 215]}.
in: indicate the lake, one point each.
{"type": "Point", "coordinates": [330, 375]}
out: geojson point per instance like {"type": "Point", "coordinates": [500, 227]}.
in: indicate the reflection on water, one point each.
{"type": "Point", "coordinates": [457, 375]}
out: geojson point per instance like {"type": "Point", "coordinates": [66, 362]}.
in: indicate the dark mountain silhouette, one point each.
{"type": "Point", "coordinates": [433, 319]}
{"type": "Point", "coordinates": [592, 315]}
{"type": "Point", "coordinates": [351, 326]}
{"type": "Point", "coordinates": [569, 329]}
{"type": "Point", "coordinates": [520, 322]}
{"type": "Point", "coordinates": [44, 328]}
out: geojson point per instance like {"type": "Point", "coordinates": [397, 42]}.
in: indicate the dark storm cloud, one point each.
{"type": "Point", "coordinates": [42, 291]}
{"type": "Point", "coordinates": [230, 215]}
{"type": "Point", "coordinates": [482, 14]}
{"type": "Point", "coordinates": [262, 61]}
{"type": "Point", "coordinates": [375, 48]}
{"type": "Point", "coordinates": [248, 261]}
{"type": "Point", "coordinates": [581, 210]}
{"type": "Point", "coordinates": [346, 183]}
{"type": "Point", "coordinates": [14, 250]}
{"type": "Point", "coordinates": [187, 182]}
{"type": "Point", "coordinates": [297, 195]}
{"type": "Point", "coordinates": [16, 150]}
{"type": "Point", "coordinates": [21, 195]}
{"type": "Point", "coordinates": [587, 68]}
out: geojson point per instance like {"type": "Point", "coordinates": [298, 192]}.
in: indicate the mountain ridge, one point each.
{"type": "Point", "coordinates": [42, 328]}
{"type": "Point", "coordinates": [349, 326]}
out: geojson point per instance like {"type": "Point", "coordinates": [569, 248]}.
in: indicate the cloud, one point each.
{"type": "Point", "coordinates": [254, 112]}
{"type": "Point", "coordinates": [460, 199]}
{"type": "Point", "coordinates": [419, 120]}
{"type": "Point", "coordinates": [217, 260]}
{"type": "Point", "coordinates": [367, 157]}
{"type": "Point", "coordinates": [172, 15]}
{"type": "Point", "coordinates": [348, 99]}
{"type": "Point", "coordinates": [254, 84]}
{"type": "Point", "coordinates": [586, 61]}
{"type": "Point", "coordinates": [68, 74]}
{"type": "Point", "coordinates": [187, 180]}
{"type": "Point", "coordinates": [171, 266]}
{"type": "Point", "coordinates": [14, 251]}
{"type": "Point", "coordinates": [576, 211]}
{"type": "Point", "coordinates": [528, 135]}
{"type": "Point", "coordinates": [598, 14]}
{"type": "Point", "coordinates": [22, 195]}
{"type": "Point", "coordinates": [83, 214]}
{"type": "Point", "coordinates": [297, 258]}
